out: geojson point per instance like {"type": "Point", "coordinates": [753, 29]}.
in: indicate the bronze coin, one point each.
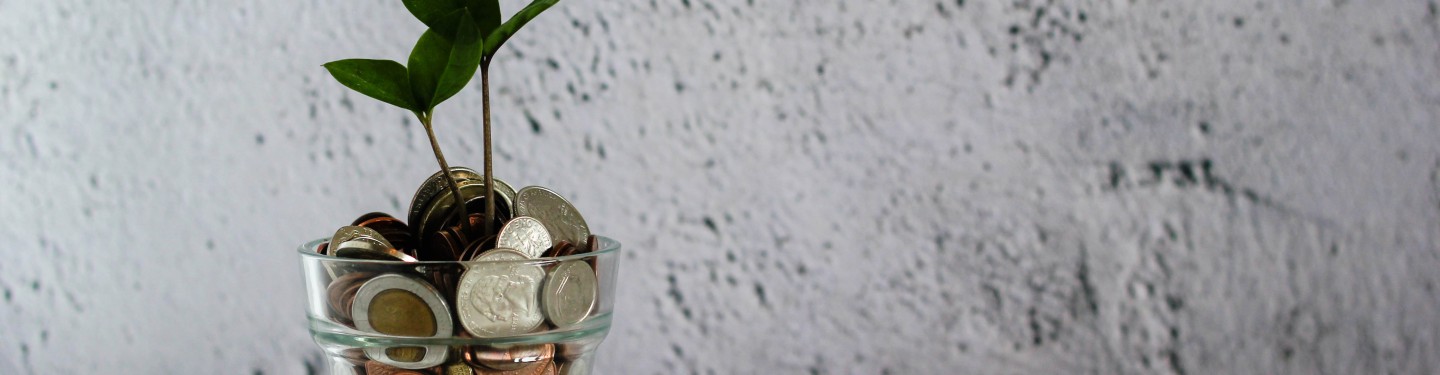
{"type": "Point", "coordinates": [457, 368]}
{"type": "Point", "coordinates": [475, 248]}
{"type": "Point", "coordinates": [391, 229]}
{"type": "Point", "coordinates": [341, 293]}
{"type": "Point", "coordinates": [377, 368]}
{"type": "Point", "coordinates": [472, 355]}
{"type": "Point", "coordinates": [368, 217]}
{"type": "Point", "coordinates": [559, 250]}
{"type": "Point", "coordinates": [441, 245]}
{"type": "Point", "coordinates": [348, 299]}
{"type": "Point", "coordinates": [512, 358]}
{"type": "Point", "coordinates": [569, 249]}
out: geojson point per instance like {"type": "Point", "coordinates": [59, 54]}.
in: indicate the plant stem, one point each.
{"type": "Point", "coordinates": [489, 166]}
{"type": "Point", "coordinates": [459, 207]}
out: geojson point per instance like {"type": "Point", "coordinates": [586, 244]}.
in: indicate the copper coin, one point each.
{"type": "Point", "coordinates": [477, 247]}
{"type": "Point", "coordinates": [391, 229]}
{"type": "Point", "coordinates": [341, 293]}
{"type": "Point", "coordinates": [568, 250]}
{"type": "Point", "coordinates": [593, 245]}
{"type": "Point", "coordinates": [347, 299]}
{"type": "Point", "coordinates": [440, 245]}
{"type": "Point", "coordinates": [509, 359]}
{"type": "Point", "coordinates": [377, 368]}
{"type": "Point", "coordinates": [354, 356]}
{"type": "Point", "coordinates": [560, 249]}
{"type": "Point", "coordinates": [369, 216]}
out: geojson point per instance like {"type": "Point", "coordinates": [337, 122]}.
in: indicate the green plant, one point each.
{"type": "Point", "coordinates": [462, 37]}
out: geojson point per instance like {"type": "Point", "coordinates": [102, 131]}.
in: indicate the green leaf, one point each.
{"type": "Point", "coordinates": [494, 40]}
{"type": "Point", "coordinates": [384, 80]}
{"type": "Point", "coordinates": [485, 13]}
{"type": "Point", "coordinates": [441, 65]}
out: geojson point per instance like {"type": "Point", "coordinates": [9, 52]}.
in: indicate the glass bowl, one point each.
{"type": "Point", "coordinates": [418, 300]}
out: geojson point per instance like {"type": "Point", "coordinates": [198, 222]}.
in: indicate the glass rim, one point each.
{"type": "Point", "coordinates": [607, 246]}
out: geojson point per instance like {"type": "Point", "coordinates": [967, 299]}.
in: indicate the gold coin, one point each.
{"type": "Point", "coordinates": [405, 353]}
{"type": "Point", "coordinates": [401, 313]}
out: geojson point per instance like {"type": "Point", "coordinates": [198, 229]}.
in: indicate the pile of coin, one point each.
{"type": "Point", "coordinates": [500, 293]}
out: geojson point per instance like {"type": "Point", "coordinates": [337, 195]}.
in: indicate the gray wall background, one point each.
{"type": "Point", "coordinates": [884, 187]}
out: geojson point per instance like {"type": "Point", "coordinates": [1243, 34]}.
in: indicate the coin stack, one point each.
{"type": "Point", "coordinates": [499, 294]}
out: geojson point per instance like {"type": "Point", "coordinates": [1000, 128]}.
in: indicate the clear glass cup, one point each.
{"type": "Point", "coordinates": [546, 350]}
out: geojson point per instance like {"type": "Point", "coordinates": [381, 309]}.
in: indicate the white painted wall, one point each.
{"type": "Point", "coordinates": [891, 187]}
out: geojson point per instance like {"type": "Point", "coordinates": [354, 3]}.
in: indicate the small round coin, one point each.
{"type": "Point", "coordinates": [569, 293]}
{"type": "Point", "coordinates": [526, 234]}
{"type": "Point", "coordinates": [498, 295]}
{"type": "Point", "coordinates": [402, 305]}
{"type": "Point", "coordinates": [560, 217]}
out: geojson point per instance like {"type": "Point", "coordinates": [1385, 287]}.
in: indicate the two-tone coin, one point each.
{"type": "Point", "coordinates": [526, 234]}
{"type": "Point", "coordinates": [569, 293]}
{"type": "Point", "coordinates": [403, 305]}
{"type": "Point", "coordinates": [498, 295]}
{"type": "Point", "coordinates": [560, 217]}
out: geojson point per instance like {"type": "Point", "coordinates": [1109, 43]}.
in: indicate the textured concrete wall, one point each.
{"type": "Point", "coordinates": [891, 187]}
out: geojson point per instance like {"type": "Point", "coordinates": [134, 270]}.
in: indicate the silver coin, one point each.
{"type": "Point", "coordinates": [351, 232]}
{"type": "Point", "coordinates": [361, 249]}
{"type": "Point", "coordinates": [403, 305]}
{"type": "Point", "coordinates": [434, 185]}
{"type": "Point", "coordinates": [498, 295]}
{"type": "Point", "coordinates": [569, 293]}
{"type": "Point", "coordinates": [364, 243]}
{"type": "Point", "coordinates": [560, 217]}
{"type": "Point", "coordinates": [506, 195]}
{"type": "Point", "coordinates": [526, 234]}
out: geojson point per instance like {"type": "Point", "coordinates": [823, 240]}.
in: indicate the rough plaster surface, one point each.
{"type": "Point", "coordinates": [886, 187]}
